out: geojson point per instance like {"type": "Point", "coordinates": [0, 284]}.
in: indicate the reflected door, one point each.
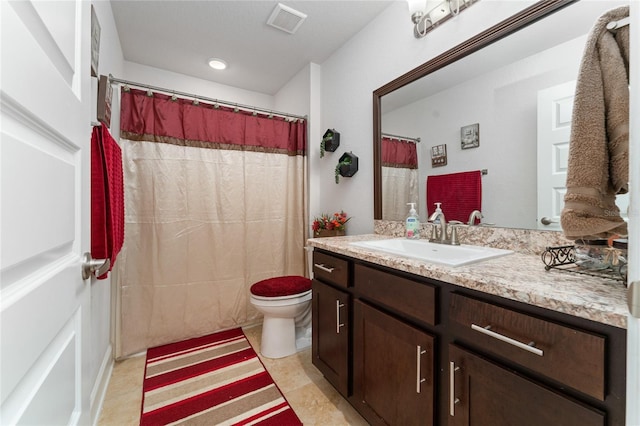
{"type": "Point", "coordinates": [555, 107]}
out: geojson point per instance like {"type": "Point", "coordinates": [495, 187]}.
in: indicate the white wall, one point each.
{"type": "Point", "coordinates": [100, 362]}
{"type": "Point", "coordinates": [382, 51]}
{"type": "Point", "coordinates": [301, 96]}
{"type": "Point", "coordinates": [170, 80]}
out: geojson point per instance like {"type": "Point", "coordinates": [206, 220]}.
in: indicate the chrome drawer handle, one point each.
{"type": "Point", "coordinates": [530, 347]}
{"type": "Point", "coordinates": [452, 388]}
{"type": "Point", "coordinates": [338, 325]}
{"type": "Point", "coordinates": [419, 379]}
{"type": "Point", "coordinates": [323, 268]}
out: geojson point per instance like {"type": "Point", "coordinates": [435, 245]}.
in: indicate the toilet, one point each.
{"type": "Point", "coordinates": [285, 303]}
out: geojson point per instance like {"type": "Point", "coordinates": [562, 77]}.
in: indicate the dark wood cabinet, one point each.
{"type": "Point", "coordinates": [482, 392]}
{"type": "Point", "coordinates": [330, 334]}
{"type": "Point", "coordinates": [393, 380]}
{"type": "Point", "coordinates": [410, 350]}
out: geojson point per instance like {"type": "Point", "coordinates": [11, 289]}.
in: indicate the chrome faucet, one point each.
{"type": "Point", "coordinates": [476, 214]}
{"type": "Point", "coordinates": [440, 237]}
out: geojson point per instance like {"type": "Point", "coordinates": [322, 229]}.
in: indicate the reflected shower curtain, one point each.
{"type": "Point", "coordinates": [399, 177]}
{"type": "Point", "coordinates": [214, 202]}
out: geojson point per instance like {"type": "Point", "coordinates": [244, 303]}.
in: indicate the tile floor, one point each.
{"type": "Point", "coordinates": [313, 399]}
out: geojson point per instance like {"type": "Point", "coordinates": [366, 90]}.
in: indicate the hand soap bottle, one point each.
{"type": "Point", "coordinates": [412, 224]}
{"type": "Point", "coordinates": [438, 210]}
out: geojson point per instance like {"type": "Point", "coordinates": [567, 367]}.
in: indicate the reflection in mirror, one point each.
{"type": "Point", "coordinates": [399, 174]}
{"type": "Point", "coordinates": [519, 90]}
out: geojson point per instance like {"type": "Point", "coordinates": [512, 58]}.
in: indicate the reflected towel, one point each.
{"type": "Point", "coordinates": [598, 167]}
{"type": "Point", "coordinates": [107, 197]}
{"type": "Point", "coordinates": [459, 193]}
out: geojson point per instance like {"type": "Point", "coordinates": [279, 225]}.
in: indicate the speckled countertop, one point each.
{"type": "Point", "coordinates": [518, 276]}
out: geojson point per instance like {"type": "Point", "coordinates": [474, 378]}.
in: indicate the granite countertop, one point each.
{"type": "Point", "coordinates": [518, 276]}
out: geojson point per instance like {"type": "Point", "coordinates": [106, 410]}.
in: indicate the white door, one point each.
{"type": "Point", "coordinates": [555, 106]}
{"type": "Point", "coordinates": [44, 179]}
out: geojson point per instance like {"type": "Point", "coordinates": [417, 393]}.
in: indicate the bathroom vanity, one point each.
{"type": "Point", "coordinates": [497, 342]}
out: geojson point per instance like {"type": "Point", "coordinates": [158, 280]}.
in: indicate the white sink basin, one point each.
{"type": "Point", "coordinates": [443, 254]}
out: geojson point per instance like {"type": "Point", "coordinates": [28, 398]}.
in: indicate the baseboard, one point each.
{"type": "Point", "coordinates": [99, 390]}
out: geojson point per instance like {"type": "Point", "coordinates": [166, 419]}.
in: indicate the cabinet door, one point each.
{"type": "Point", "coordinates": [393, 369]}
{"type": "Point", "coordinates": [483, 393]}
{"type": "Point", "coordinates": [330, 334]}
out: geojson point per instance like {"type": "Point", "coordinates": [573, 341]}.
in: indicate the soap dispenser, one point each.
{"type": "Point", "coordinates": [412, 224]}
{"type": "Point", "coordinates": [438, 210]}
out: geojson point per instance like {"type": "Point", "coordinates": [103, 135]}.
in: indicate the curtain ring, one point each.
{"type": "Point", "coordinates": [149, 93]}
{"type": "Point", "coordinates": [196, 102]}
{"type": "Point", "coordinates": [126, 88]}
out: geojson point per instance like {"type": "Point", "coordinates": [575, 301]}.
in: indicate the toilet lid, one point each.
{"type": "Point", "coordinates": [281, 286]}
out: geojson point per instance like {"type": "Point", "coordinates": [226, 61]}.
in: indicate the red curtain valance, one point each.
{"type": "Point", "coordinates": [399, 153]}
{"type": "Point", "coordinates": [159, 118]}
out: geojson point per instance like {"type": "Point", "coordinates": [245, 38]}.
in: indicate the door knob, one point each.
{"type": "Point", "coordinates": [546, 221]}
{"type": "Point", "coordinates": [91, 265]}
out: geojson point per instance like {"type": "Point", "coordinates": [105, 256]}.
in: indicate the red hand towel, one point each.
{"type": "Point", "coordinates": [107, 197]}
{"type": "Point", "coordinates": [459, 193]}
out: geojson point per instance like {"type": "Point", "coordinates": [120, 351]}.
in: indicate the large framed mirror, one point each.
{"type": "Point", "coordinates": [502, 79]}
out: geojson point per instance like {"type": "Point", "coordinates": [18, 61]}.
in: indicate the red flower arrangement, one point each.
{"type": "Point", "coordinates": [330, 223]}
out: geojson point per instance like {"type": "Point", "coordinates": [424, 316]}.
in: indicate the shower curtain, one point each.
{"type": "Point", "coordinates": [214, 202]}
{"type": "Point", "coordinates": [399, 177]}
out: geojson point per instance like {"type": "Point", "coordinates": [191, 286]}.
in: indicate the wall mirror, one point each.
{"type": "Point", "coordinates": [515, 81]}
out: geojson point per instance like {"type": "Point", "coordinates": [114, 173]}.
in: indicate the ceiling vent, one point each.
{"type": "Point", "coordinates": [286, 19]}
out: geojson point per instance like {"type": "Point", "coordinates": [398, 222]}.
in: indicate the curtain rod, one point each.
{"type": "Point", "coordinates": [416, 140]}
{"type": "Point", "coordinates": [113, 80]}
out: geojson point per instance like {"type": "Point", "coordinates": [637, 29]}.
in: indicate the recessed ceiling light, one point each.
{"type": "Point", "coordinates": [217, 64]}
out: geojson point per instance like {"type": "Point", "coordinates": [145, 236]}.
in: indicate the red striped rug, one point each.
{"type": "Point", "coordinates": [211, 380]}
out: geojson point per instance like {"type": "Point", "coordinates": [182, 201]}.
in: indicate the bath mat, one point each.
{"type": "Point", "coordinates": [211, 380]}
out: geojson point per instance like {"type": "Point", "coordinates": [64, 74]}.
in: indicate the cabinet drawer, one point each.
{"type": "Point", "coordinates": [331, 269]}
{"type": "Point", "coordinates": [412, 298]}
{"type": "Point", "coordinates": [568, 355]}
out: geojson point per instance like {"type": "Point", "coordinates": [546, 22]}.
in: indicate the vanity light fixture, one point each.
{"type": "Point", "coordinates": [425, 14]}
{"type": "Point", "coordinates": [217, 64]}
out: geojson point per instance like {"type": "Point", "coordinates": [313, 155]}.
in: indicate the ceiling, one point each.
{"type": "Point", "coordinates": [180, 36]}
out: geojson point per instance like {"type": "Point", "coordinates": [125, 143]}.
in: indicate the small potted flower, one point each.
{"type": "Point", "coordinates": [330, 226]}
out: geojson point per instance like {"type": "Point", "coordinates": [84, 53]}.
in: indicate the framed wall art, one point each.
{"type": "Point", "coordinates": [439, 155]}
{"type": "Point", "coordinates": [105, 95]}
{"type": "Point", "coordinates": [95, 42]}
{"type": "Point", "coordinates": [470, 136]}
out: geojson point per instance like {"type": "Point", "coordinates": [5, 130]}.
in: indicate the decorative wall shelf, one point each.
{"type": "Point", "coordinates": [330, 141]}
{"type": "Point", "coordinates": [347, 165]}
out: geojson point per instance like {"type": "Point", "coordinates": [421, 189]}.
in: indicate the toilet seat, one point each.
{"type": "Point", "coordinates": [292, 296]}
{"type": "Point", "coordinates": [281, 287]}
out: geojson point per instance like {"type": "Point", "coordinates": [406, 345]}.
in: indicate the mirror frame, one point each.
{"type": "Point", "coordinates": [508, 26]}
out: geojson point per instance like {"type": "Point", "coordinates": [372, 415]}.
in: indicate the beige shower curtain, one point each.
{"type": "Point", "coordinates": [201, 226]}
{"type": "Point", "coordinates": [399, 177]}
{"type": "Point", "coordinates": [399, 186]}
